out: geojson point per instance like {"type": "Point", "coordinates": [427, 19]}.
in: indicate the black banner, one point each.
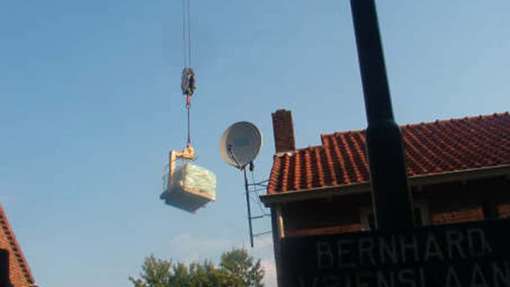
{"type": "Point", "coordinates": [456, 255]}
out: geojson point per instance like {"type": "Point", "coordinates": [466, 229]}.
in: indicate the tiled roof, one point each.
{"type": "Point", "coordinates": [19, 270]}
{"type": "Point", "coordinates": [430, 148]}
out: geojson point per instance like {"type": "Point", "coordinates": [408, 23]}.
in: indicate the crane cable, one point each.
{"type": "Point", "coordinates": [188, 76]}
{"type": "Point", "coordinates": [186, 32]}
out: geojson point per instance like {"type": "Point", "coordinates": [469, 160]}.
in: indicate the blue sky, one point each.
{"type": "Point", "coordinates": [90, 106]}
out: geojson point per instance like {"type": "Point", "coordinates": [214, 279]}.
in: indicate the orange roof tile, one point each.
{"type": "Point", "coordinates": [430, 148]}
{"type": "Point", "coordinates": [19, 270]}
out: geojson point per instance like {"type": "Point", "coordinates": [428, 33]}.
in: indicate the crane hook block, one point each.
{"type": "Point", "coordinates": [188, 81]}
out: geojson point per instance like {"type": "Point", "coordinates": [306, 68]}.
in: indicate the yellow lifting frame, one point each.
{"type": "Point", "coordinates": [187, 153]}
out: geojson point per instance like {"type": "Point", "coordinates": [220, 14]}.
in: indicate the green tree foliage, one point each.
{"type": "Point", "coordinates": [236, 269]}
{"type": "Point", "coordinates": [155, 273]}
{"type": "Point", "coordinates": [238, 262]}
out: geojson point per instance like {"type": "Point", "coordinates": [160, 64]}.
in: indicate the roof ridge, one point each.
{"type": "Point", "coordinates": [458, 119]}
{"type": "Point", "coordinates": [471, 142]}
{"type": "Point", "coordinates": [323, 135]}
{"type": "Point", "coordinates": [342, 132]}
{"type": "Point", "coordinates": [13, 242]}
{"type": "Point", "coordinates": [292, 152]}
{"type": "Point", "coordinates": [487, 116]}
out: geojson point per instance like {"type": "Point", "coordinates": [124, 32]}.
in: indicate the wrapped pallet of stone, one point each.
{"type": "Point", "coordinates": [190, 187]}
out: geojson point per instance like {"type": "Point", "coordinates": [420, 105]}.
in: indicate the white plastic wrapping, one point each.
{"type": "Point", "coordinates": [195, 179]}
{"type": "Point", "coordinates": [190, 188]}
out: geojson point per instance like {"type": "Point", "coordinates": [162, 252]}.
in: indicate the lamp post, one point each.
{"type": "Point", "coordinates": [391, 197]}
{"type": "Point", "coordinates": [4, 268]}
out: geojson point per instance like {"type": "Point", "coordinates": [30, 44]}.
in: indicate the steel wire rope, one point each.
{"type": "Point", "coordinates": [186, 32]}
{"type": "Point", "coordinates": [189, 31]}
{"type": "Point", "coordinates": [188, 140]}
{"type": "Point", "coordinates": [184, 45]}
{"type": "Point", "coordinates": [186, 39]}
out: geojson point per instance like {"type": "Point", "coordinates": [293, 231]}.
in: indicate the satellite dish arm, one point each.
{"type": "Point", "coordinates": [233, 157]}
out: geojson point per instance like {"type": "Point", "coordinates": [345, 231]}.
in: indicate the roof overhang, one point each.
{"type": "Point", "coordinates": [414, 181]}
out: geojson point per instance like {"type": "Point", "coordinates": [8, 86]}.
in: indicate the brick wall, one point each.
{"type": "Point", "coordinates": [457, 216]}
{"type": "Point", "coordinates": [504, 210]}
{"type": "Point", "coordinates": [446, 203]}
{"type": "Point", "coordinates": [339, 229]}
{"type": "Point", "coordinates": [325, 216]}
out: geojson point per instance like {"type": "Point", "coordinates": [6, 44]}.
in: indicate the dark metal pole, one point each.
{"type": "Point", "coordinates": [4, 268]}
{"type": "Point", "coordinates": [246, 187]}
{"type": "Point", "coordinates": [390, 192]}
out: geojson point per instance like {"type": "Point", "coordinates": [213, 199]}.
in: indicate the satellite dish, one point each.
{"type": "Point", "coordinates": [240, 144]}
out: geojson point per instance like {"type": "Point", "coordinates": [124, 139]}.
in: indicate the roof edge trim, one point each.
{"type": "Point", "coordinates": [414, 181]}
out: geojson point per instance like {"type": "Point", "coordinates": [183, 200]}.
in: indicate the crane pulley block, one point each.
{"type": "Point", "coordinates": [188, 81]}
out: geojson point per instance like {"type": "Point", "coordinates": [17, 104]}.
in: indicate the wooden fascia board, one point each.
{"type": "Point", "coordinates": [462, 175]}
{"type": "Point", "coordinates": [315, 193]}
{"type": "Point", "coordinates": [414, 181]}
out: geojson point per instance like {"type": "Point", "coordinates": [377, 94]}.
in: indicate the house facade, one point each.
{"type": "Point", "coordinates": [458, 170]}
{"type": "Point", "coordinates": [14, 269]}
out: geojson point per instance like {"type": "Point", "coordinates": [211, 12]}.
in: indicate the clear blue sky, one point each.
{"type": "Point", "coordinates": [90, 105]}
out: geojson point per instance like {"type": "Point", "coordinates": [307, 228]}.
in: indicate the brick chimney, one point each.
{"type": "Point", "coordinates": [283, 130]}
